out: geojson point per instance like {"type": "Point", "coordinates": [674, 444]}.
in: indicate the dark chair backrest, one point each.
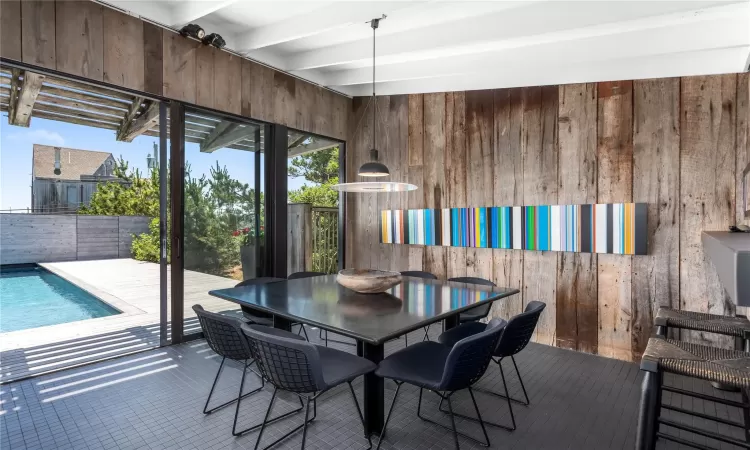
{"type": "Point", "coordinates": [288, 364]}
{"type": "Point", "coordinates": [419, 274]}
{"type": "Point", "coordinates": [223, 334]}
{"type": "Point", "coordinates": [261, 280]}
{"type": "Point", "coordinates": [519, 330]}
{"type": "Point", "coordinates": [482, 310]}
{"type": "Point", "coordinates": [473, 280]}
{"type": "Point", "coordinates": [297, 275]}
{"type": "Point", "coordinates": [469, 358]}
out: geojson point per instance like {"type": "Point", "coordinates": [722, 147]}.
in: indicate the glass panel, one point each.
{"type": "Point", "coordinates": [79, 184]}
{"type": "Point", "coordinates": [223, 221]}
{"type": "Point", "coordinates": [313, 170]}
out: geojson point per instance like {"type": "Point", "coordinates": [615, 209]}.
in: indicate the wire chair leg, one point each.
{"type": "Point", "coordinates": [304, 424]}
{"type": "Point", "coordinates": [426, 333]}
{"type": "Point", "coordinates": [518, 373]}
{"type": "Point", "coordinates": [450, 411]}
{"type": "Point", "coordinates": [388, 416]}
{"type": "Point", "coordinates": [359, 412]}
{"type": "Point", "coordinates": [507, 396]}
{"type": "Point", "coordinates": [275, 419]}
{"type": "Point", "coordinates": [239, 398]}
{"type": "Point", "coordinates": [303, 330]}
{"type": "Point", "coordinates": [265, 418]}
{"type": "Point", "coordinates": [453, 421]}
{"type": "Point", "coordinates": [210, 393]}
{"type": "Point", "coordinates": [479, 417]}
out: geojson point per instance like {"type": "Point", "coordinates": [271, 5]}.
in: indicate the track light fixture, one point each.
{"type": "Point", "coordinates": [215, 39]}
{"type": "Point", "coordinates": [194, 31]}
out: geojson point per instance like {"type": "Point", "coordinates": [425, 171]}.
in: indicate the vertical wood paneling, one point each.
{"type": "Point", "coordinates": [38, 33]}
{"type": "Point", "coordinates": [10, 29]}
{"type": "Point", "coordinates": [179, 71]}
{"type": "Point", "coordinates": [615, 185]}
{"type": "Point", "coordinates": [204, 76]}
{"type": "Point", "coordinates": [656, 181]}
{"type": "Point", "coordinates": [415, 199]}
{"type": "Point", "coordinates": [79, 40]}
{"type": "Point", "coordinates": [228, 87]}
{"type": "Point", "coordinates": [577, 303]}
{"type": "Point", "coordinates": [540, 158]}
{"type": "Point", "coordinates": [381, 256]}
{"type": "Point", "coordinates": [284, 111]}
{"type": "Point", "coordinates": [743, 140]}
{"type": "Point", "coordinates": [257, 82]}
{"type": "Point", "coordinates": [153, 49]}
{"type": "Point", "coordinates": [398, 151]}
{"type": "Point", "coordinates": [435, 257]}
{"type": "Point", "coordinates": [455, 172]}
{"type": "Point", "coordinates": [355, 145]}
{"type": "Point", "coordinates": [307, 97]}
{"type": "Point", "coordinates": [479, 178]}
{"type": "Point", "coordinates": [124, 49]}
{"type": "Point", "coordinates": [707, 188]}
{"type": "Point", "coordinates": [507, 265]}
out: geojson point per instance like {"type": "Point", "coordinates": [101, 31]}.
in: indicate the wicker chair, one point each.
{"type": "Point", "coordinates": [738, 327]}
{"type": "Point", "coordinates": [728, 367]}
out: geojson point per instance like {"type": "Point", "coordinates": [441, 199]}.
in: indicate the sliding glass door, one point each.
{"type": "Point", "coordinates": [223, 238]}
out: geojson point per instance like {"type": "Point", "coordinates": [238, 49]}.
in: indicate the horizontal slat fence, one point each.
{"type": "Point", "coordinates": [34, 238]}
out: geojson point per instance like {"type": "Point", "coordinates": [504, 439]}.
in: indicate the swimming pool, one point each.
{"type": "Point", "coordinates": [31, 297]}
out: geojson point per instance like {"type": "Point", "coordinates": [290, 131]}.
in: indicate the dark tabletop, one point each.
{"type": "Point", "coordinates": [374, 318]}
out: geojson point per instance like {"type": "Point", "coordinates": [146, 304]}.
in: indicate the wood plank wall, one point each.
{"type": "Point", "coordinates": [87, 39]}
{"type": "Point", "coordinates": [678, 144]}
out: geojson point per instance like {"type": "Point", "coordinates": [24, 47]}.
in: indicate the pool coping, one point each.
{"type": "Point", "coordinates": [122, 306]}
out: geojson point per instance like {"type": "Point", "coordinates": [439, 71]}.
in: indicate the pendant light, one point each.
{"type": "Point", "coordinates": [373, 168]}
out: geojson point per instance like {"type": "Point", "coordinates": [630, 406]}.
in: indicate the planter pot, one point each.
{"type": "Point", "coordinates": [249, 259]}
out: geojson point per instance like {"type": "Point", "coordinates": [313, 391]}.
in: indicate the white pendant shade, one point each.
{"type": "Point", "coordinates": [374, 186]}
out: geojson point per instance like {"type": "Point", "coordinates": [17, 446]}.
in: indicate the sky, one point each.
{"type": "Point", "coordinates": [16, 144]}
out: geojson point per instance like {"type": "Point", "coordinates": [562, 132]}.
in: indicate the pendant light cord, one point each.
{"type": "Point", "coordinates": [375, 23]}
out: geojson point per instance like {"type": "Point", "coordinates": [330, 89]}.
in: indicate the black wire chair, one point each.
{"type": "Point", "coordinates": [224, 336]}
{"type": "Point", "coordinates": [473, 314]}
{"type": "Point", "coordinates": [426, 276]}
{"type": "Point", "coordinates": [305, 369]}
{"type": "Point", "coordinates": [515, 337]}
{"type": "Point", "coordinates": [443, 370]}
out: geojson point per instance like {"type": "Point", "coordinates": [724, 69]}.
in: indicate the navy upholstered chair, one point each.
{"type": "Point", "coordinates": [443, 370]}
{"type": "Point", "coordinates": [426, 276]}
{"type": "Point", "coordinates": [224, 336]}
{"type": "Point", "coordinates": [516, 335]}
{"type": "Point", "coordinates": [304, 369]}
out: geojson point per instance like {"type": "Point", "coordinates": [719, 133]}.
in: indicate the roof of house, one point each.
{"type": "Point", "coordinates": [73, 162]}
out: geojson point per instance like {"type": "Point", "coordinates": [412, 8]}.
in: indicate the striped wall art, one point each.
{"type": "Point", "coordinates": [618, 228]}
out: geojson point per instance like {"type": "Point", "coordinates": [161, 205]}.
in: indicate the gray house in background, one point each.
{"type": "Point", "coordinates": [80, 171]}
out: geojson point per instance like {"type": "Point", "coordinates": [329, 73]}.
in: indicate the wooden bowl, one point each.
{"type": "Point", "coordinates": [367, 281]}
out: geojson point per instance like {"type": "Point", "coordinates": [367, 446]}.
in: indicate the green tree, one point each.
{"type": "Point", "coordinates": [131, 195]}
{"type": "Point", "coordinates": [320, 168]}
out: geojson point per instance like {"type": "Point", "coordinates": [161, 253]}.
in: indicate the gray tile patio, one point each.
{"type": "Point", "coordinates": [153, 400]}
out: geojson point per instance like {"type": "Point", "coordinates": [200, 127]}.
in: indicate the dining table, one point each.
{"type": "Point", "coordinates": [370, 320]}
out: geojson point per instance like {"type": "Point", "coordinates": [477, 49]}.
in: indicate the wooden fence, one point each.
{"type": "Point", "coordinates": [33, 238]}
{"type": "Point", "coordinates": [312, 238]}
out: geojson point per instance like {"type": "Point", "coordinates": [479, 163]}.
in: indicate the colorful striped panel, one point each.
{"type": "Point", "coordinates": [618, 228]}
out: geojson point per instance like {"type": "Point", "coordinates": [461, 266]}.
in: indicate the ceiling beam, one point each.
{"type": "Point", "coordinates": [311, 147]}
{"type": "Point", "coordinates": [143, 123]}
{"type": "Point", "coordinates": [555, 50]}
{"type": "Point", "coordinates": [128, 119]}
{"type": "Point", "coordinates": [192, 11]}
{"type": "Point", "coordinates": [226, 134]}
{"type": "Point", "coordinates": [337, 16]}
{"type": "Point", "coordinates": [512, 28]}
{"type": "Point", "coordinates": [15, 85]}
{"type": "Point", "coordinates": [30, 87]}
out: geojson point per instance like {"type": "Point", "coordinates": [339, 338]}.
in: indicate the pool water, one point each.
{"type": "Point", "coordinates": [33, 297]}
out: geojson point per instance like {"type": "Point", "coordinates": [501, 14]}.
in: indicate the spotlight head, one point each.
{"type": "Point", "coordinates": [57, 171]}
{"type": "Point", "coordinates": [193, 30]}
{"type": "Point", "coordinates": [215, 40]}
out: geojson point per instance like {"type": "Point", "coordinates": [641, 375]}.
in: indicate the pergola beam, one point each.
{"type": "Point", "coordinates": [32, 84]}
{"type": "Point", "coordinates": [15, 81]}
{"type": "Point", "coordinates": [128, 120]}
{"type": "Point", "coordinates": [143, 123]}
{"type": "Point", "coordinates": [311, 147]}
{"type": "Point", "coordinates": [226, 134]}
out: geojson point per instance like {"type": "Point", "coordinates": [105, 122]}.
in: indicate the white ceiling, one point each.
{"type": "Point", "coordinates": [432, 46]}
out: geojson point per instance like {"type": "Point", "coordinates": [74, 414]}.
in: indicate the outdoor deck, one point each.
{"type": "Point", "coordinates": [130, 286]}
{"type": "Point", "coordinates": [154, 400]}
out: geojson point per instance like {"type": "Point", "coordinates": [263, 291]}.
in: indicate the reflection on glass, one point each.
{"type": "Point", "coordinates": [223, 221]}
